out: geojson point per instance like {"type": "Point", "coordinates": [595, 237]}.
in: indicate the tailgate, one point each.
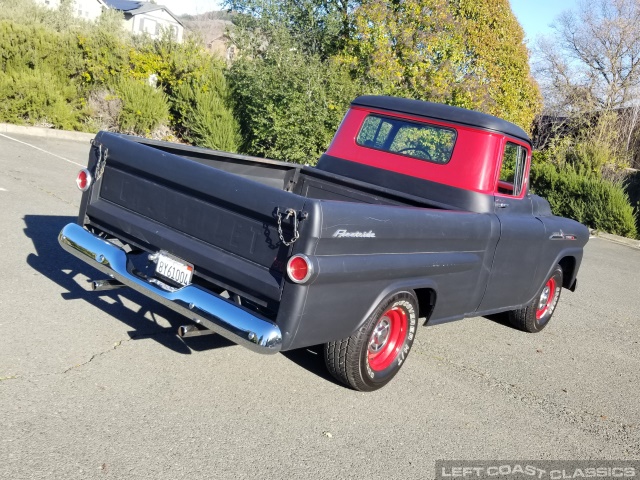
{"type": "Point", "coordinates": [225, 224]}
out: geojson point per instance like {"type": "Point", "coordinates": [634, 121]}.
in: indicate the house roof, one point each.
{"type": "Point", "coordinates": [133, 7]}
{"type": "Point", "coordinates": [122, 5]}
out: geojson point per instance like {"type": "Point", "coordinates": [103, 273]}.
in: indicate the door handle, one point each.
{"type": "Point", "coordinates": [502, 205]}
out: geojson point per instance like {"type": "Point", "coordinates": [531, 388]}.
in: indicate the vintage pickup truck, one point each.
{"type": "Point", "coordinates": [417, 212]}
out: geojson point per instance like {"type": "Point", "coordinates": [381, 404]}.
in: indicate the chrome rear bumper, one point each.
{"type": "Point", "coordinates": [239, 325]}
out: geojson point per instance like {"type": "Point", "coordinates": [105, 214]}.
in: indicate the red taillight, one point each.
{"type": "Point", "coordinates": [83, 180]}
{"type": "Point", "coordinates": [299, 268]}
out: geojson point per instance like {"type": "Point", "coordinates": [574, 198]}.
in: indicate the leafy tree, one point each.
{"type": "Point", "coordinates": [289, 104]}
{"type": "Point", "coordinates": [317, 27]}
{"type": "Point", "coordinates": [468, 53]}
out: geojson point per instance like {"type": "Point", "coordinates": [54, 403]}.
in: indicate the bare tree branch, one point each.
{"type": "Point", "coordinates": [592, 61]}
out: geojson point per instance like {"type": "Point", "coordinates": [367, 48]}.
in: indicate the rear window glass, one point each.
{"type": "Point", "coordinates": [418, 140]}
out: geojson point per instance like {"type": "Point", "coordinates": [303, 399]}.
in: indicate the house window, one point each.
{"type": "Point", "coordinates": [514, 162]}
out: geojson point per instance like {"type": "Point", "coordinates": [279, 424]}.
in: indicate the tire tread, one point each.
{"type": "Point", "coordinates": [336, 359]}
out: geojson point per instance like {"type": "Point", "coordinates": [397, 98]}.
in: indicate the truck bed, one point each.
{"type": "Point", "coordinates": [159, 195]}
{"type": "Point", "coordinates": [300, 179]}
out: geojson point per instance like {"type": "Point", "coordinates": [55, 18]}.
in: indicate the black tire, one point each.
{"type": "Point", "coordinates": [535, 316]}
{"type": "Point", "coordinates": [373, 355]}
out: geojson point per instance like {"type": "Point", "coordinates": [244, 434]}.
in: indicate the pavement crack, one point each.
{"type": "Point", "coordinates": [96, 355]}
{"type": "Point", "coordinates": [117, 345]}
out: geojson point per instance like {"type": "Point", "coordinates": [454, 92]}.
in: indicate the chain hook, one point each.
{"type": "Point", "coordinates": [288, 213]}
{"type": "Point", "coordinates": [102, 160]}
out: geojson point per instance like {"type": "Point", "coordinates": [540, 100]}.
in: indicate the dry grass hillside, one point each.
{"type": "Point", "coordinates": [211, 27]}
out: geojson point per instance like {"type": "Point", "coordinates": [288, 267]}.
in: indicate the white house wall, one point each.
{"type": "Point", "coordinates": [152, 23]}
{"type": "Point", "coordinates": [87, 9]}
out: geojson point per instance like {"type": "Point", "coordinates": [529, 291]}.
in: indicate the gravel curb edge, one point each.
{"type": "Point", "coordinates": [629, 242]}
{"type": "Point", "coordinates": [45, 132]}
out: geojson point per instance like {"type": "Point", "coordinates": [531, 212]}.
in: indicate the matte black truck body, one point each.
{"type": "Point", "coordinates": [366, 233]}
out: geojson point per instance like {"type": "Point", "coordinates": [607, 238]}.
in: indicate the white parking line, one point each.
{"type": "Point", "coordinates": [42, 150]}
{"type": "Point", "coordinates": [3, 189]}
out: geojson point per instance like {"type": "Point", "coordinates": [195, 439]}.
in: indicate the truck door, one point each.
{"type": "Point", "coordinates": [521, 234]}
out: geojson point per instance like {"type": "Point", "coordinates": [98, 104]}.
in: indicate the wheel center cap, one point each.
{"type": "Point", "coordinates": [544, 298]}
{"type": "Point", "coordinates": [380, 335]}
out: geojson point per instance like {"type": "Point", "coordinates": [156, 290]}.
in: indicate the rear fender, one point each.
{"type": "Point", "coordinates": [397, 287]}
{"type": "Point", "coordinates": [563, 258]}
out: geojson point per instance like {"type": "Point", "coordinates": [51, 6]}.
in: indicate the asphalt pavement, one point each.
{"type": "Point", "coordinates": [98, 385]}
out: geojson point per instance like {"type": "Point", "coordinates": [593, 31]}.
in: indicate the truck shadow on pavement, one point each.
{"type": "Point", "coordinates": [64, 269]}
{"type": "Point", "coordinates": [54, 263]}
{"type": "Point", "coordinates": [312, 360]}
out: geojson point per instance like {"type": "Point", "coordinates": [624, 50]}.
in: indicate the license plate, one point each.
{"type": "Point", "coordinates": [174, 269]}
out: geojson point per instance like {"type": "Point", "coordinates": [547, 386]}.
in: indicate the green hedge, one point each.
{"type": "Point", "coordinates": [37, 48]}
{"type": "Point", "coordinates": [63, 78]}
{"type": "Point", "coordinates": [143, 107]}
{"type": "Point", "coordinates": [590, 200]}
{"type": "Point", "coordinates": [37, 77]}
{"type": "Point", "coordinates": [39, 97]}
{"type": "Point", "coordinates": [205, 119]}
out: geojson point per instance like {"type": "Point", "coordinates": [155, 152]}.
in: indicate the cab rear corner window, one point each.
{"type": "Point", "coordinates": [512, 170]}
{"type": "Point", "coordinates": [431, 143]}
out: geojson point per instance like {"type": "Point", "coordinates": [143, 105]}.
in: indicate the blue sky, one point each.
{"type": "Point", "coordinates": [535, 16]}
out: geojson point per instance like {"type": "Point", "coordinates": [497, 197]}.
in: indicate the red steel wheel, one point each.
{"type": "Point", "coordinates": [546, 298]}
{"type": "Point", "coordinates": [387, 338]}
{"type": "Point", "coordinates": [536, 315]}
{"type": "Point", "coordinates": [373, 354]}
